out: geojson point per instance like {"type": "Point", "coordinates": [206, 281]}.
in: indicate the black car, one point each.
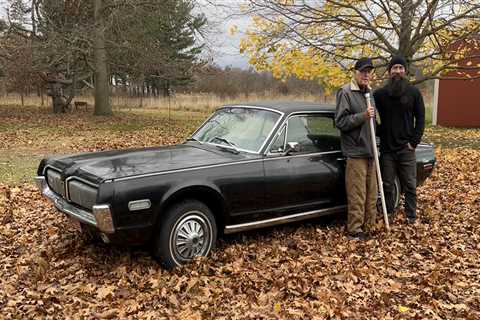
{"type": "Point", "coordinates": [246, 167]}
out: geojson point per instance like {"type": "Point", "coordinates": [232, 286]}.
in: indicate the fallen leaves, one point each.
{"type": "Point", "coordinates": [302, 271]}
{"type": "Point", "coordinates": [63, 133]}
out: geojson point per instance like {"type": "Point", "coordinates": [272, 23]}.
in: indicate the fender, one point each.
{"type": "Point", "coordinates": [188, 188]}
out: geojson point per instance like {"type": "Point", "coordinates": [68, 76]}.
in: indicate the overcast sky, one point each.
{"type": "Point", "coordinates": [222, 17]}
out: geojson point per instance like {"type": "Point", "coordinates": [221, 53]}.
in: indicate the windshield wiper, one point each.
{"type": "Point", "coordinates": [231, 145]}
{"type": "Point", "coordinates": [228, 148]}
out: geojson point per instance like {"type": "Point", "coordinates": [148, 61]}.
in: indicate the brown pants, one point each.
{"type": "Point", "coordinates": [362, 192]}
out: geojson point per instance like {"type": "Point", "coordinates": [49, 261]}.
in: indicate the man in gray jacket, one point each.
{"type": "Point", "coordinates": [352, 118]}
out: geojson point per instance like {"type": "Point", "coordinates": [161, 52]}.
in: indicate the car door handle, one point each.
{"type": "Point", "coordinates": [341, 159]}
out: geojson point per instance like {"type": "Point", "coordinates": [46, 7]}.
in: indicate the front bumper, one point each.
{"type": "Point", "coordinates": [100, 217]}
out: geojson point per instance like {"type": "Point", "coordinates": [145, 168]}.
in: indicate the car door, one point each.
{"type": "Point", "coordinates": [310, 177]}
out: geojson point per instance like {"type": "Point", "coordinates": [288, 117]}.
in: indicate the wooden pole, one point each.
{"type": "Point", "coordinates": [377, 165]}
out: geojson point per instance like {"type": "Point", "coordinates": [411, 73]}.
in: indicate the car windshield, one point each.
{"type": "Point", "coordinates": [244, 129]}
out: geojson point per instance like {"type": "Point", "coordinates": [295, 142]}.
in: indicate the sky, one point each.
{"type": "Point", "coordinates": [226, 46]}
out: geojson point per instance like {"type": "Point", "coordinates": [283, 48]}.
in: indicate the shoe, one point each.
{"type": "Point", "coordinates": [357, 236]}
{"type": "Point", "coordinates": [411, 220]}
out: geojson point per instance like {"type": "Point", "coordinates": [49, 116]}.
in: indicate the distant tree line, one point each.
{"type": "Point", "coordinates": [232, 82]}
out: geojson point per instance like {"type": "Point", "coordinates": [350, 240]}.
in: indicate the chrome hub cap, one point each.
{"type": "Point", "coordinates": [191, 237]}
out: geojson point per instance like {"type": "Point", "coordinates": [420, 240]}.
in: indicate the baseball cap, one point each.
{"type": "Point", "coordinates": [363, 63]}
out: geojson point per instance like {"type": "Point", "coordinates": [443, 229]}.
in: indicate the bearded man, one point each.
{"type": "Point", "coordinates": [402, 115]}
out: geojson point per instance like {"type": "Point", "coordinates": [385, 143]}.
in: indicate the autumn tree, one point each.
{"type": "Point", "coordinates": [320, 39]}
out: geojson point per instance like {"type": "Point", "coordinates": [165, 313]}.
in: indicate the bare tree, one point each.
{"type": "Point", "coordinates": [102, 89]}
{"type": "Point", "coordinates": [424, 31]}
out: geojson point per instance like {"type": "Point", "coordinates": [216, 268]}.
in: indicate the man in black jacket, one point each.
{"type": "Point", "coordinates": [402, 115]}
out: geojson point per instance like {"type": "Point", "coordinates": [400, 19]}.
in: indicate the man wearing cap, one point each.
{"type": "Point", "coordinates": [402, 115]}
{"type": "Point", "coordinates": [352, 117]}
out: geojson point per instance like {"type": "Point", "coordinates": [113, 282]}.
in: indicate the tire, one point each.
{"type": "Point", "coordinates": [188, 229]}
{"type": "Point", "coordinates": [397, 193]}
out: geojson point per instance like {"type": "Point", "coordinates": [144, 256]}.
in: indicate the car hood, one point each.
{"type": "Point", "coordinates": [107, 165]}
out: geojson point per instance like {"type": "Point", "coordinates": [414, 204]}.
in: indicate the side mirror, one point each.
{"type": "Point", "coordinates": [292, 147]}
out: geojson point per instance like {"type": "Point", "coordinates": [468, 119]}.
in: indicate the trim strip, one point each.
{"type": "Point", "coordinates": [184, 170]}
{"type": "Point", "coordinates": [275, 156]}
{"type": "Point", "coordinates": [91, 184]}
{"type": "Point", "coordinates": [51, 167]}
{"type": "Point", "coordinates": [282, 220]}
{"type": "Point", "coordinates": [222, 165]}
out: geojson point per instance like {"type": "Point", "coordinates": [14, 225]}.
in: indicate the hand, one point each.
{"type": "Point", "coordinates": [409, 146]}
{"type": "Point", "coordinates": [370, 113]}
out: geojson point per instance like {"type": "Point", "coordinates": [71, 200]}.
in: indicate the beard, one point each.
{"type": "Point", "coordinates": [396, 86]}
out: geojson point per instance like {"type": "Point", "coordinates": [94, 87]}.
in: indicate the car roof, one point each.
{"type": "Point", "coordinates": [287, 107]}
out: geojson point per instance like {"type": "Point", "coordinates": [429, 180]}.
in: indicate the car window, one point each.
{"type": "Point", "coordinates": [279, 143]}
{"type": "Point", "coordinates": [244, 128]}
{"type": "Point", "coordinates": [314, 133]}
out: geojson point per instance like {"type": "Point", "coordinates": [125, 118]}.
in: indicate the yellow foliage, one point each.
{"type": "Point", "coordinates": [322, 43]}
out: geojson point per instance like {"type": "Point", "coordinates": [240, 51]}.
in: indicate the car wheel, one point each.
{"type": "Point", "coordinates": [396, 196]}
{"type": "Point", "coordinates": [187, 230]}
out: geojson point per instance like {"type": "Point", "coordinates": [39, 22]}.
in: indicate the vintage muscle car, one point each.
{"type": "Point", "coordinates": [247, 166]}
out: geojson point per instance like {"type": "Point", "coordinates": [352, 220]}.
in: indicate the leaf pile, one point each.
{"type": "Point", "coordinates": [453, 138]}
{"type": "Point", "coordinates": [36, 129]}
{"type": "Point", "coordinates": [304, 271]}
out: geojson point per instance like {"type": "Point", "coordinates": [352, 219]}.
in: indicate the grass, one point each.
{"type": "Point", "coordinates": [29, 133]}
{"type": "Point", "coordinates": [18, 168]}
{"type": "Point", "coordinates": [428, 115]}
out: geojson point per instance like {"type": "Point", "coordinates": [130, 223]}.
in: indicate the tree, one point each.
{"type": "Point", "coordinates": [102, 90]}
{"type": "Point", "coordinates": [56, 34]}
{"type": "Point", "coordinates": [168, 31]}
{"type": "Point", "coordinates": [321, 39]}
{"type": "Point", "coordinates": [71, 39]}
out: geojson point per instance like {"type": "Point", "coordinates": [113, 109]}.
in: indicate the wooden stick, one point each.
{"type": "Point", "coordinates": [377, 165]}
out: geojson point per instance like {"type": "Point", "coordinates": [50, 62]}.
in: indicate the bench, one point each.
{"type": "Point", "coordinates": [81, 104]}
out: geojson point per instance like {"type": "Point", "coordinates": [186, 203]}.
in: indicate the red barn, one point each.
{"type": "Point", "coordinates": [456, 103]}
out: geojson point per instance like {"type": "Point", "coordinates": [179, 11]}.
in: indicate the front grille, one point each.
{"type": "Point", "coordinates": [82, 194]}
{"type": "Point", "coordinates": [55, 182]}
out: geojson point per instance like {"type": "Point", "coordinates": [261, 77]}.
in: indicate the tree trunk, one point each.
{"type": "Point", "coordinates": [56, 92]}
{"type": "Point", "coordinates": [58, 104]}
{"type": "Point", "coordinates": [166, 88]}
{"type": "Point", "coordinates": [404, 43]}
{"type": "Point", "coordinates": [102, 102]}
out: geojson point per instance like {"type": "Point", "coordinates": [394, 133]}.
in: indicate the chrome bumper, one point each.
{"type": "Point", "coordinates": [100, 218]}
